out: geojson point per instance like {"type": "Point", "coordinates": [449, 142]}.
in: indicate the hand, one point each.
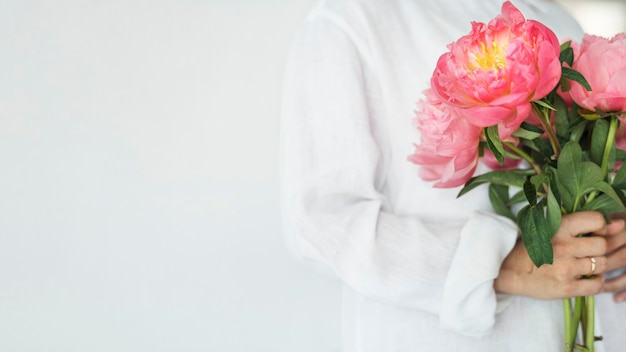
{"type": "Point", "coordinates": [616, 258]}
{"type": "Point", "coordinates": [572, 260]}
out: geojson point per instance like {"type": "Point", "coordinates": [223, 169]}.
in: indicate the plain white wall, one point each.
{"type": "Point", "coordinates": [138, 189]}
{"type": "Point", "coordinates": [599, 17]}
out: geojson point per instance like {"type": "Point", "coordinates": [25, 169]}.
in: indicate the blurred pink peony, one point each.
{"type": "Point", "coordinates": [602, 62]}
{"type": "Point", "coordinates": [448, 152]}
{"type": "Point", "coordinates": [493, 73]}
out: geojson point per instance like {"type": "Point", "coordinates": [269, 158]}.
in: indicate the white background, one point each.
{"type": "Point", "coordinates": [138, 188]}
{"type": "Point", "coordinates": [139, 209]}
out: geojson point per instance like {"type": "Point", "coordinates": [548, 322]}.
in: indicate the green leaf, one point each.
{"type": "Point", "coordinates": [539, 180]}
{"type": "Point", "coordinates": [567, 56]}
{"type": "Point", "coordinates": [545, 148]}
{"type": "Point", "coordinates": [535, 235]}
{"type": "Point", "coordinates": [607, 190]}
{"type": "Point", "coordinates": [554, 189]}
{"type": "Point", "coordinates": [541, 150]}
{"type": "Point", "coordinates": [620, 176]}
{"type": "Point", "coordinates": [531, 192]}
{"type": "Point", "coordinates": [561, 117]}
{"type": "Point", "coordinates": [514, 178]}
{"type": "Point", "coordinates": [526, 134]}
{"type": "Point", "coordinates": [545, 104]}
{"type": "Point", "coordinates": [577, 128]}
{"type": "Point", "coordinates": [528, 131]}
{"type": "Point", "coordinates": [575, 76]}
{"type": "Point", "coordinates": [589, 115]}
{"type": "Point", "coordinates": [575, 177]}
{"type": "Point", "coordinates": [494, 143]}
{"type": "Point", "coordinates": [565, 85]}
{"type": "Point", "coordinates": [605, 204]}
{"type": "Point", "coordinates": [619, 189]}
{"type": "Point", "coordinates": [517, 198]}
{"type": "Point", "coordinates": [598, 141]}
{"type": "Point", "coordinates": [530, 144]}
{"type": "Point", "coordinates": [553, 213]}
{"type": "Point", "coordinates": [499, 197]}
{"type": "Point", "coordinates": [620, 155]}
{"type": "Point", "coordinates": [568, 185]}
{"type": "Point", "coordinates": [578, 178]}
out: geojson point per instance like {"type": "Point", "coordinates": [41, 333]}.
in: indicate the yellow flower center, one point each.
{"type": "Point", "coordinates": [489, 57]}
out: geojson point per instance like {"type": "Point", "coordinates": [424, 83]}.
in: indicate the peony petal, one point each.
{"type": "Point", "coordinates": [617, 83]}
{"type": "Point", "coordinates": [453, 176]}
{"type": "Point", "coordinates": [511, 14]}
{"type": "Point", "coordinates": [485, 116]}
{"type": "Point", "coordinates": [550, 68]}
{"type": "Point", "coordinates": [522, 112]}
{"type": "Point", "coordinates": [606, 102]}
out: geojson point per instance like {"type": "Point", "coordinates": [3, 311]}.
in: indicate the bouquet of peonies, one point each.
{"type": "Point", "coordinates": [544, 117]}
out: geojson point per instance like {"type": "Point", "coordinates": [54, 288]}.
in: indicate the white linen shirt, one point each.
{"type": "Point", "coordinates": [417, 263]}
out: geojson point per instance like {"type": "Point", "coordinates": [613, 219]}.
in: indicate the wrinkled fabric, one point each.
{"type": "Point", "coordinates": [416, 263]}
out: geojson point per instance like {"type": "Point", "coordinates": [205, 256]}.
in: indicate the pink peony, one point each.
{"type": "Point", "coordinates": [493, 73]}
{"type": "Point", "coordinates": [448, 152]}
{"type": "Point", "coordinates": [603, 63]}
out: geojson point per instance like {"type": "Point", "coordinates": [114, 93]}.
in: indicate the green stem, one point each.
{"type": "Point", "coordinates": [591, 196]}
{"type": "Point", "coordinates": [576, 203]}
{"type": "Point", "coordinates": [606, 154]}
{"type": "Point", "coordinates": [567, 318]}
{"type": "Point", "coordinates": [590, 335]}
{"type": "Point", "coordinates": [522, 154]}
{"type": "Point", "coordinates": [578, 311]}
{"type": "Point", "coordinates": [610, 140]}
{"type": "Point", "coordinates": [544, 117]}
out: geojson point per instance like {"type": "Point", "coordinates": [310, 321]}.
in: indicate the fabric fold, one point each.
{"type": "Point", "coordinates": [469, 302]}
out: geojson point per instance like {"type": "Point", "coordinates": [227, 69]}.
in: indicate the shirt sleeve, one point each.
{"type": "Point", "coordinates": [335, 215]}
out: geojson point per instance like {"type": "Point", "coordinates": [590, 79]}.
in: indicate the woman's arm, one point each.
{"type": "Point", "coordinates": [334, 165]}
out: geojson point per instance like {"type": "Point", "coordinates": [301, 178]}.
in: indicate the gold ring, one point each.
{"type": "Point", "coordinates": [593, 265]}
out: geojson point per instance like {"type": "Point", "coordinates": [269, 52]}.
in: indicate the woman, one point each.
{"type": "Point", "coordinates": [422, 270]}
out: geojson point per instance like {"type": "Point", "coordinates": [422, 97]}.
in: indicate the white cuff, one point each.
{"type": "Point", "coordinates": [470, 303]}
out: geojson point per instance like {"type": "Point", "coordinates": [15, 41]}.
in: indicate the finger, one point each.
{"type": "Point", "coordinates": [585, 287]}
{"type": "Point", "coordinates": [616, 259]}
{"type": "Point", "coordinates": [582, 222]}
{"type": "Point", "coordinates": [618, 216]}
{"type": "Point", "coordinates": [616, 234]}
{"type": "Point", "coordinates": [615, 227]}
{"type": "Point", "coordinates": [615, 284]}
{"type": "Point", "coordinates": [620, 296]}
{"type": "Point", "coordinates": [588, 267]}
{"type": "Point", "coordinates": [580, 247]}
{"type": "Point", "coordinates": [615, 241]}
